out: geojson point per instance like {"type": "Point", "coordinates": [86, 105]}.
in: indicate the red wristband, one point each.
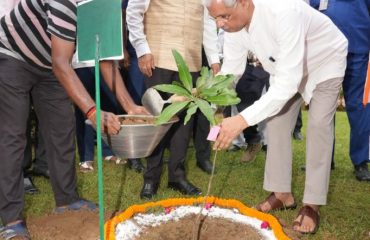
{"type": "Point", "coordinates": [90, 112]}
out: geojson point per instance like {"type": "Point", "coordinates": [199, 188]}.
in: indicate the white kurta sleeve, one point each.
{"type": "Point", "coordinates": [135, 23]}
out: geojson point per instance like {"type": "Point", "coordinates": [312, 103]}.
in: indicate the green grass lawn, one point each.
{"type": "Point", "coordinates": [347, 215]}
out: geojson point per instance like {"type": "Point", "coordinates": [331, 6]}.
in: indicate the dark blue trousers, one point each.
{"type": "Point", "coordinates": [134, 79]}
{"type": "Point", "coordinates": [85, 134]}
{"type": "Point", "coordinates": [358, 115]}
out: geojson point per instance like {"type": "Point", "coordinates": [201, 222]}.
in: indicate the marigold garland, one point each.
{"type": "Point", "coordinates": [110, 226]}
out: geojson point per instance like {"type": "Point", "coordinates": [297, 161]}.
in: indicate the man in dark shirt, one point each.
{"type": "Point", "coordinates": [37, 41]}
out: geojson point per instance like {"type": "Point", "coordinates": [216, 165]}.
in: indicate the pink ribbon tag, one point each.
{"type": "Point", "coordinates": [213, 132]}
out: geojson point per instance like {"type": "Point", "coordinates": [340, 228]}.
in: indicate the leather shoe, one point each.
{"type": "Point", "coordinates": [148, 191]}
{"type": "Point", "coordinates": [40, 172]}
{"type": "Point", "coordinates": [264, 147]}
{"type": "Point", "coordinates": [29, 187]}
{"type": "Point", "coordinates": [362, 172]}
{"type": "Point", "coordinates": [206, 166]}
{"type": "Point", "coordinates": [135, 164]}
{"type": "Point", "coordinates": [185, 187]}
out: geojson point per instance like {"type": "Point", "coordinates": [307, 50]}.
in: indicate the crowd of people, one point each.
{"type": "Point", "coordinates": [283, 54]}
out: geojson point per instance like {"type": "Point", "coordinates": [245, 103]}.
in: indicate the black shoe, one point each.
{"type": "Point", "coordinates": [264, 147]}
{"type": "Point", "coordinates": [362, 172]}
{"type": "Point", "coordinates": [206, 166]}
{"type": "Point", "coordinates": [185, 187]}
{"type": "Point", "coordinates": [40, 172]}
{"type": "Point", "coordinates": [148, 191]}
{"type": "Point", "coordinates": [298, 136]}
{"type": "Point", "coordinates": [135, 164]}
{"type": "Point", "coordinates": [29, 187]}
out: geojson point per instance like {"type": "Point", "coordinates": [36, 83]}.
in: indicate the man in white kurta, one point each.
{"type": "Point", "coordinates": [156, 27]}
{"type": "Point", "coordinates": [305, 54]}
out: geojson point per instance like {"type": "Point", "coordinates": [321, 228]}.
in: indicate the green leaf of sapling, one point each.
{"type": "Point", "coordinates": [192, 108]}
{"type": "Point", "coordinates": [228, 91]}
{"type": "Point", "coordinates": [206, 109]}
{"type": "Point", "coordinates": [184, 73]}
{"type": "Point", "coordinates": [223, 81]}
{"type": "Point", "coordinates": [223, 100]}
{"type": "Point", "coordinates": [170, 111]}
{"type": "Point", "coordinates": [177, 83]}
{"type": "Point", "coordinates": [174, 89]}
{"type": "Point", "coordinates": [202, 80]}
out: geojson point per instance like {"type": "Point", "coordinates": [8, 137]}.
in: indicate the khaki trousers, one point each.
{"type": "Point", "coordinates": [319, 143]}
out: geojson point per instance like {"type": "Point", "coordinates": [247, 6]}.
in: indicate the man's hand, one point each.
{"type": "Point", "coordinates": [215, 68]}
{"type": "Point", "coordinates": [146, 64]}
{"type": "Point", "coordinates": [109, 122]}
{"type": "Point", "coordinates": [125, 62]}
{"type": "Point", "coordinates": [138, 110]}
{"type": "Point", "coordinates": [230, 128]}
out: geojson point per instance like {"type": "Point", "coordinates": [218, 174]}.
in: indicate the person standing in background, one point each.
{"type": "Point", "coordinates": [353, 19]}
{"type": "Point", "coordinates": [134, 79]}
{"type": "Point", "coordinates": [154, 31]}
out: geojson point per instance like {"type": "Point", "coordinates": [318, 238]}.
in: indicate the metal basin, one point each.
{"type": "Point", "coordinates": [137, 140]}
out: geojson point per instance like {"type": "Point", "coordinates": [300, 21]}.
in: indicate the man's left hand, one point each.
{"type": "Point", "coordinates": [230, 128]}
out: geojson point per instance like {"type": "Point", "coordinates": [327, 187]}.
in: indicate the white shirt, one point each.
{"type": "Point", "coordinates": [135, 17]}
{"type": "Point", "coordinates": [6, 6]}
{"type": "Point", "coordinates": [295, 44]}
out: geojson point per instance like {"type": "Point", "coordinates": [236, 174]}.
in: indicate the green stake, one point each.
{"type": "Point", "coordinates": [98, 140]}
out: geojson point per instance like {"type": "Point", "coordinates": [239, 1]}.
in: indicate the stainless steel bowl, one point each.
{"type": "Point", "coordinates": [137, 140]}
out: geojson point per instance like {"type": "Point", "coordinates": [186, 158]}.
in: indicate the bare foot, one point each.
{"type": "Point", "coordinates": [286, 198]}
{"type": "Point", "coordinates": [307, 220]}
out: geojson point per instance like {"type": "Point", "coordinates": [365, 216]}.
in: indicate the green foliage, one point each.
{"type": "Point", "coordinates": [184, 72]}
{"type": "Point", "coordinates": [206, 110]}
{"type": "Point", "coordinates": [191, 110]}
{"type": "Point", "coordinates": [209, 90]}
{"type": "Point", "coordinates": [170, 111]}
{"type": "Point", "coordinates": [174, 89]}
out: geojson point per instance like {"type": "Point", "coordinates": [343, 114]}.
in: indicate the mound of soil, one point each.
{"type": "Point", "coordinates": [136, 120]}
{"type": "Point", "coordinates": [81, 225]}
{"type": "Point", "coordinates": [209, 228]}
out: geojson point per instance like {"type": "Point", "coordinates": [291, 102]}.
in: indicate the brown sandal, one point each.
{"type": "Point", "coordinates": [276, 204]}
{"type": "Point", "coordinates": [307, 211]}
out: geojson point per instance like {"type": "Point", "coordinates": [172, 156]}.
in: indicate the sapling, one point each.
{"type": "Point", "coordinates": [208, 90]}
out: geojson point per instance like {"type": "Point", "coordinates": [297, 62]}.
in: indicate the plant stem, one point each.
{"type": "Point", "coordinates": [197, 227]}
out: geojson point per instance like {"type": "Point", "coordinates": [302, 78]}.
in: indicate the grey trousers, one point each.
{"type": "Point", "coordinates": [57, 124]}
{"type": "Point", "coordinates": [319, 143]}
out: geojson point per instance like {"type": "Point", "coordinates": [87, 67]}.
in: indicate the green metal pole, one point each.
{"type": "Point", "coordinates": [98, 141]}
